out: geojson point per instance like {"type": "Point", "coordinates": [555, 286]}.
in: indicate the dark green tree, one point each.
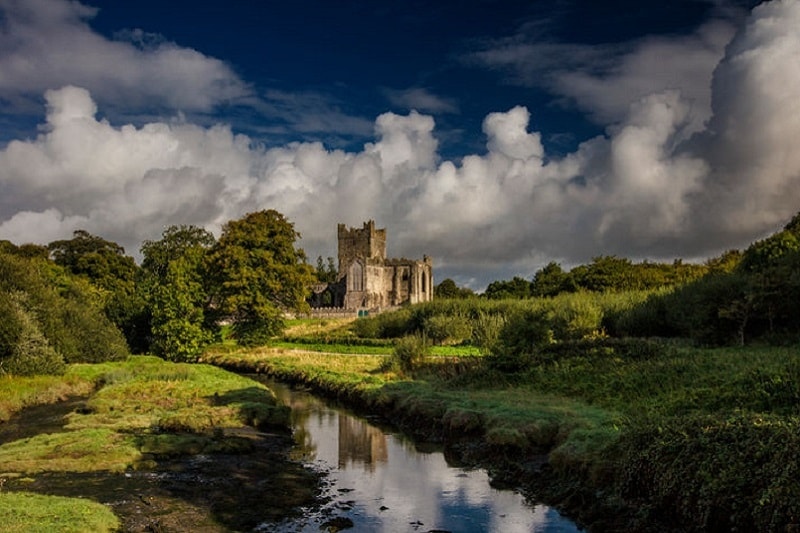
{"type": "Point", "coordinates": [550, 280]}
{"type": "Point", "coordinates": [105, 265]}
{"type": "Point", "coordinates": [517, 287]}
{"type": "Point", "coordinates": [260, 274]}
{"type": "Point", "coordinates": [178, 294]}
{"type": "Point", "coordinates": [326, 273]}
{"type": "Point", "coordinates": [448, 289]}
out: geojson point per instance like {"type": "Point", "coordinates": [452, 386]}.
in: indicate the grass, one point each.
{"type": "Point", "coordinates": [701, 439]}
{"type": "Point", "coordinates": [22, 512]}
{"type": "Point", "coordinates": [505, 409]}
{"type": "Point", "coordinates": [20, 392]}
{"type": "Point", "coordinates": [140, 408]}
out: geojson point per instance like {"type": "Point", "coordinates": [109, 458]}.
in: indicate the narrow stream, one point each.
{"type": "Point", "coordinates": [380, 482]}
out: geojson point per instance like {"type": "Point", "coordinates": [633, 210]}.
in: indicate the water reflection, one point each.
{"type": "Point", "coordinates": [382, 483]}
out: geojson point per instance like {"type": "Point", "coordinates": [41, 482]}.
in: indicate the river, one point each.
{"type": "Point", "coordinates": [379, 481]}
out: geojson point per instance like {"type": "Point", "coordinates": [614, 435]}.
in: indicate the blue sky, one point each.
{"type": "Point", "coordinates": [495, 136]}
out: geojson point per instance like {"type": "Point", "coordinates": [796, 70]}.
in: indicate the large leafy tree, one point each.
{"type": "Point", "coordinates": [106, 266]}
{"type": "Point", "coordinates": [103, 262]}
{"type": "Point", "coordinates": [260, 274]}
{"type": "Point", "coordinates": [177, 292]}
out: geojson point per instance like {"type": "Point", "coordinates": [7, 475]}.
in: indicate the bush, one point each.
{"type": "Point", "coordinates": [575, 316]}
{"type": "Point", "coordinates": [388, 325]}
{"type": "Point", "coordinates": [24, 350]}
{"type": "Point", "coordinates": [743, 477]}
{"type": "Point", "coordinates": [486, 330]}
{"type": "Point", "coordinates": [442, 329]}
{"type": "Point", "coordinates": [522, 335]}
{"type": "Point", "coordinates": [409, 352]}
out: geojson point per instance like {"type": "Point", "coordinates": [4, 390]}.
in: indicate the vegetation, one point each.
{"type": "Point", "coordinates": [259, 275]}
{"type": "Point", "coordinates": [22, 512]}
{"type": "Point", "coordinates": [178, 293]}
{"type": "Point", "coordinates": [137, 412]}
{"type": "Point", "coordinates": [668, 389]}
{"type": "Point", "coordinates": [49, 317]}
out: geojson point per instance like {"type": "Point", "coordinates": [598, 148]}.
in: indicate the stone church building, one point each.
{"type": "Point", "coordinates": [368, 280]}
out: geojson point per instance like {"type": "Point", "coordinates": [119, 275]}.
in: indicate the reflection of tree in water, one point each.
{"type": "Point", "coordinates": [360, 443]}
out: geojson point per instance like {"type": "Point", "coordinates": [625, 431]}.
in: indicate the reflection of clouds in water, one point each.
{"type": "Point", "coordinates": [418, 487]}
{"type": "Point", "coordinates": [395, 488]}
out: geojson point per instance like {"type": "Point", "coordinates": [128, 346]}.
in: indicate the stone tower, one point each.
{"type": "Point", "coordinates": [367, 244]}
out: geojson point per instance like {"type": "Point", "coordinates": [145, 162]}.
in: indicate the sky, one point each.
{"type": "Point", "coordinates": [494, 135]}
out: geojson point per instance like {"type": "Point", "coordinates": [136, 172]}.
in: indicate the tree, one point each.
{"type": "Point", "coordinates": [326, 274]}
{"type": "Point", "coordinates": [103, 262]}
{"type": "Point", "coordinates": [177, 292]}
{"type": "Point", "coordinates": [176, 242]}
{"type": "Point", "coordinates": [105, 265]}
{"type": "Point", "coordinates": [517, 287]}
{"type": "Point", "coordinates": [550, 280]}
{"type": "Point", "coordinates": [260, 274]}
{"type": "Point", "coordinates": [448, 289]}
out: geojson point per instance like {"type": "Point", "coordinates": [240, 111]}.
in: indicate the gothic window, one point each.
{"type": "Point", "coordinates": [356, 277]}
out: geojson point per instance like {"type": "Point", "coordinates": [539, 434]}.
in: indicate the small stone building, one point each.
{"type": "Point", "coordinates": [368, 280]}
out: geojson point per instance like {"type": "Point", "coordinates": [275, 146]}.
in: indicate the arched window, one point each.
{"type": "Point", "coordinates": [355, 277]}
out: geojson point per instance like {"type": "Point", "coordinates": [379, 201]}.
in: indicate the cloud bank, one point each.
{"type": "Point", "coordinates": [659, 184]}
{"type": "Point", "coordinates": [48, 43]}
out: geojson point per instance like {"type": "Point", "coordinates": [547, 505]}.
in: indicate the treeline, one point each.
{"type": "Point", "coordinates": [735, 298]}
{"type": "Point", "coordinates": [84, 300]}
{"type": "Point", "coordinates": [605, 273]}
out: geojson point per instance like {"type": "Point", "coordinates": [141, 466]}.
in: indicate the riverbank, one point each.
{"type": "Point", "coordinates": [655, 438]}
{"type": "Point", "coordinates": [147, 445]}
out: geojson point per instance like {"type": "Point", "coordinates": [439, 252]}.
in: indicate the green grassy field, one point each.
{"type": "Point", "coordinates": [704, 439]}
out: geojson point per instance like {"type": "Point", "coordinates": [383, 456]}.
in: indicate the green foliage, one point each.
{"type": "Point", "coordinates": [447, 329]}
{"type": "Point", "coordinates": [448, 289]}
{"type": "Point", "coordinates": [521, 337]}
{"type": "Point", "coordinates": [716, 473]}
{"type": "Point", "coordinates": [103, 262]}
{"type": "Point", "coordinates": [515, 288]}
{"type": "Point", "coordinates": [389, 325]}
{"type": "Point", "coordinates": [575, 316]}
{"type": "Point", "coordinates": [326, 274]}
{"type": "Point", "coordinates": [550, 281]}
{"type": "Point", "coordinates": [178, 293]}
{"type": "Point", "coordinates": [486, 330]}
{"type": "Point", "coordinates": [259, 274]}
{"type": "Point", "coordinates": [106, 266]}
{"type": "Point", "coordinates": [409, 353]}
{"type": "Point", "coordinates": [58, 308]}
{"type": "Point", "coordinates": [24, 350]}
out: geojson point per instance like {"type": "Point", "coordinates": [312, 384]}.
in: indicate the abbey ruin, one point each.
{"type": "Point", "coordinates": [367, 280]}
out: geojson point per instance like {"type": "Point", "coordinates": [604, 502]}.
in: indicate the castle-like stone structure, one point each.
{"type": "Point", "coordinates": [368, 280]}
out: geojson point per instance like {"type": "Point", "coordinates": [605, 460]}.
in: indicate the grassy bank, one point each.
{"type": "Point", "coordinates": [636, 435]}
{"type": "Point", "coordinates": [135, 413]}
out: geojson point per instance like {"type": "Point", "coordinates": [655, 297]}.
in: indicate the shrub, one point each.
{"type": "Point", "coordinates": [409, 352]}
{"type": "Point", "coordinates": [743, 478]}
{"type": "Point", "coordinates": [523, 333]}
{"type": "Point", "coordinates": [575, 316]}
{"type": "Point", "coordinates": [387, 325]}
{"type": "Point", "coordinates": [442, 329]}
{"type": "Point", "coordinates": [24, 350]}
{"type": "Point", "coordinates": [486, 330]}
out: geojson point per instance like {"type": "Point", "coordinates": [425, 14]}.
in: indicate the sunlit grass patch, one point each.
{"type": "Point", "coordinates": [72, 451]}
{"type": "Point", "coordinates": [20, 392]}
{"type": "Point", "coordinates": [140, 398]}
{"type": "Point", "coordinates": [22, 512]}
